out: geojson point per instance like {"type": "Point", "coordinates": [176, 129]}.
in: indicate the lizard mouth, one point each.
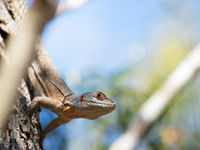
{"type": "Point", "coordinates": [104, 103]}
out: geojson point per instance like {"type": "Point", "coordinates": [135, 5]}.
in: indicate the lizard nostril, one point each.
{"type": "Point", "coordinates": [111, 101]}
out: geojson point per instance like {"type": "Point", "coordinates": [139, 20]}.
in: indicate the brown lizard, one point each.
{"type": "Point", "coordinates": [54, 93]}
{"type": "Point", "coordinates": [57, 97]}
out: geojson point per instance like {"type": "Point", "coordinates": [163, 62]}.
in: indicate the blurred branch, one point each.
{"type": "Point", "coordinates": [70, 4]}
{"type": "Point", "coordinates": [158, 103]}
{"type": "Point", "coordinates": [21, 51]}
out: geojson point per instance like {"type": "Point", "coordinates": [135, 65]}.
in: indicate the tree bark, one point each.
{"type": "Point", "coordinates": [20, 132]}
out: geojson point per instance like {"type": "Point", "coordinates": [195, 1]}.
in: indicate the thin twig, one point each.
{"type": "Point", "coordinates": [158, 103]}
{"type": "Point", "coordinates": [70, 5]}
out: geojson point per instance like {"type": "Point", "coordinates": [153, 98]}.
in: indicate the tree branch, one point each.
{"type": "Point", "coordinates": [21, 51]}
{"type": "Point", "coordinates": [158, 103]}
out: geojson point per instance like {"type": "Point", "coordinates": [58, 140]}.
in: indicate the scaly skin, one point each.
{"type": "Point", "coordinates": [55, 95]}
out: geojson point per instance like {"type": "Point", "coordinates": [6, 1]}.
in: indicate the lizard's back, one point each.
{"type": "Point", "coordinates": [50, 82]}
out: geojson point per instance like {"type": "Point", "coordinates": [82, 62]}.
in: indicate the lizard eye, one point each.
{"type": "Point", "coordinates": [100, 96]}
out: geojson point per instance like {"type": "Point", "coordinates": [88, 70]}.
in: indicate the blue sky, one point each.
{"type": "Point", "coordinates": [100, 34]}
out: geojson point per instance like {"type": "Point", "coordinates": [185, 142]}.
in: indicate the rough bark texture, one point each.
{"type": "Point", "coordinates": [19, 132]}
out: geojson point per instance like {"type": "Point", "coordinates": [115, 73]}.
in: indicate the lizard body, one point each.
{"type": "Point", "coordinates": [55, 95]}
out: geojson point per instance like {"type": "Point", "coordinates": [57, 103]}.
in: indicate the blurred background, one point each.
{"type": "Point", "coordinates": [125, 49]}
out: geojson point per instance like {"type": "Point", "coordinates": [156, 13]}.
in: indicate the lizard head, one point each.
{"type": "Point", "coordinates": [90, 105]}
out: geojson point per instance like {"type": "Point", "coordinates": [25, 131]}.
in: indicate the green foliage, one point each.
{"type": "Point", "coordinates": [131, 87]}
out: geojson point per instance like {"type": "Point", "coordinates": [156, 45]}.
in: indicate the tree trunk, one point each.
{"type": "Point", "coordinates": [19, 132]}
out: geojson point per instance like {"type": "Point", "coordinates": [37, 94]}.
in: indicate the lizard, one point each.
{"type": "Point", "coordinates": [56, 96]}
{"type": "Point", "coordinates": [54, 93]}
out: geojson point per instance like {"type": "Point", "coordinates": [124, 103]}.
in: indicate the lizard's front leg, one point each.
{"type": "Point", "coordinates": [45, 102]}
{"type": "Point", "coordinates": [48, 103]}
